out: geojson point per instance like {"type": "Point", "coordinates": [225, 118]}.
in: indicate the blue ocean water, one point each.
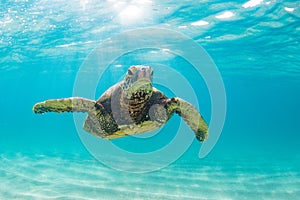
{"type": "Point", "coordinates": [254, 45]}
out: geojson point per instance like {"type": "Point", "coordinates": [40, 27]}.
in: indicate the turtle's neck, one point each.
{"type": "Point", "coordinates": [138, 106]}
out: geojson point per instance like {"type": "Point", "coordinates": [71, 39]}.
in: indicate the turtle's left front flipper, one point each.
{"type": "Point", "coordinates": [190, 115]}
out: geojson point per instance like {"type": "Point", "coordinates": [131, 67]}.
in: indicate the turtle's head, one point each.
{"type": "Point", "coordinates": [138, 83]}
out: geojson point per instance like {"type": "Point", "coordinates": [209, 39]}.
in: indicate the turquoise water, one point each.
{"type": "Point", "coordinates": [255, 46]}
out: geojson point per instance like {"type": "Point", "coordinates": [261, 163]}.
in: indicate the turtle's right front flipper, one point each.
{"type": "Point", "coordinates": [73, 104]}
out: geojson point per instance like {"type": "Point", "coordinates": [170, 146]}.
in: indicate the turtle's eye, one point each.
{"type": "Point", "coordinates": [130, 73]}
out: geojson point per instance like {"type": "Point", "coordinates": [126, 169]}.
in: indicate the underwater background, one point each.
{"type": "Point", "coordinates": [255, 46]}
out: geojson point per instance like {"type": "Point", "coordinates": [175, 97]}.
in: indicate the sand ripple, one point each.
{"type": "Point", "coordinates": [75, 177]}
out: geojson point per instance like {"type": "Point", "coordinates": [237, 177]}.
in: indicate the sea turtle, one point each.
{"type": "Point", "coordinates": [130, 107]}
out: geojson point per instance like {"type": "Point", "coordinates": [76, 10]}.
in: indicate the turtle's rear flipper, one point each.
{"type": "Point", "coordinates": [74, 104]}
{"type": "Point", "coordinates": [190, 115]}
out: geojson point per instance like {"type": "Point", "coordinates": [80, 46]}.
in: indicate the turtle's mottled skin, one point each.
{"type": "Point", "coordinates": [130, 107]}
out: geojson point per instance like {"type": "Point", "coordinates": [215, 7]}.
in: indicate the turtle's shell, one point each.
{"type": "Point", "coordinates": [116, 116]}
